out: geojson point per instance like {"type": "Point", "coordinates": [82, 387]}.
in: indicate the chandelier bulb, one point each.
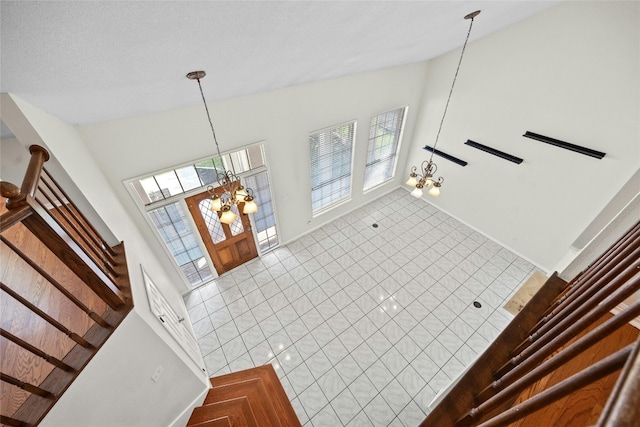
{"type": "Point", "coordinates": [435, 190]}
{"type": "Point", "coordinates": [412, 181]}
{"type": "Point", "coordinates": [417, 192]}
{"type": "Point", "coordinates": [216, 203]}
{"type": "Point", "coordinates": [227, 216]}
{"type": "Point", "coordinates": [249, 205]}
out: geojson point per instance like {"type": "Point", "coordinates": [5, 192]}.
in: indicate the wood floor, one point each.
{"type": "Point", "coordinates": [252, 398]}
{"type": "Point", "coordinates": [20, 321]}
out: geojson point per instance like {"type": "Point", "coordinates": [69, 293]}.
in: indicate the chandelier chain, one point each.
{"type": "Point", "coordinates": [233, 194]}
{"type": "Point", "coordinates": [455, 77]}
{"type": "Point", "coordinates": [213, 131]}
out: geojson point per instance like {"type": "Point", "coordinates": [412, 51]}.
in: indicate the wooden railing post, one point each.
{"type": "Point", "coordinates": [39, 155]}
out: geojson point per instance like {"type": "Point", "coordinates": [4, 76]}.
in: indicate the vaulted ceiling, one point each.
{"type": "Point", "coordinates": [88, 62]}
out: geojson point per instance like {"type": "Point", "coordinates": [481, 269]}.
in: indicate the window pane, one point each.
{"type": "Point", "coordinates": [384, 140]}
{"type": "Point", "coordinates": [256, 159]}
{"type": "Point", "coordinates": [265, 218]}
{"type": "Point", "coordinates": [182, 244]}
{"type": "Point", "coordinates": [206, 171]}
{"type": "Point", "coordinates": [188, 177]}
{"type": "Point", "coordinates": [331, 152]}
{"type": "Point", "coordinates": [151, 188]}
{"type": "Point", "coordinates": [169, 184]}
{"type": "Point", "coordinates": [236, 226]}
{"type": "Point", "coordinates": [212, 221]}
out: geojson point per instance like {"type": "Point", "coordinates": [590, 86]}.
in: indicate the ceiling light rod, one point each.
{"type": "Point", "coordinates": [428, 168]}
{"type": "Point", "coordinates": [233, 193]}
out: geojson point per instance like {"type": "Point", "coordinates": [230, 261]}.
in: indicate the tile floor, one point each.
{"type": "Point", "coordinates": [363, 324]}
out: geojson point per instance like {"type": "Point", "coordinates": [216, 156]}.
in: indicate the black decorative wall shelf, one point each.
{"type": "Point", "coordinates": [445, 156]}
{"type": "Point", "coordinates": [493, 151]}
{"type": "Point", "coordinates": [565, 145]}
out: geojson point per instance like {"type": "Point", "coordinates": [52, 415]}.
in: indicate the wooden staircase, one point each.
{"type": "Point", "coordinates": [63, 292]}
{"type": "Point", "coordinates": [253, 398]}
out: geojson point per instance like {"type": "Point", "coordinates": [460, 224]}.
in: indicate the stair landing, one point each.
{"type": "Point", "coordinates": [253, 397]}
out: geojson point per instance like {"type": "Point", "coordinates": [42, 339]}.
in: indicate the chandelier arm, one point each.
{"type": "Point", "coordinates": [455, 77]}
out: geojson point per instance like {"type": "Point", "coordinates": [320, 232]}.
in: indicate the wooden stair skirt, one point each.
{"type": "Point", "coordinates": [253, 397]}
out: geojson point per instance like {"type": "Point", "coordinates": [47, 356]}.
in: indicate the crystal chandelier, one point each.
{"type": "Point", "coordinates": [425, 178]}
{"type": "Point", "coordinates": [230, 191]}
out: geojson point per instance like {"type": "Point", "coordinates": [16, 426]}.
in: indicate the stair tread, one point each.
{"type": "Point", "coordinates": [257, 393]}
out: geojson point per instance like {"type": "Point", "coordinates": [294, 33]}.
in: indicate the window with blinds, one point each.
{"type": "Point", "coordinates": [331, 160]}
{"type": "Point", "coordinates": [385, 131]}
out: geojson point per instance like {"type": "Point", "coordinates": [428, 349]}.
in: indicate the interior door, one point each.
{"type": "Point", "coordinates": [229, 245]}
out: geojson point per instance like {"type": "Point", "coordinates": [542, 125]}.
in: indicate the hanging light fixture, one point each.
{"type": "Point", "coordinates": [425, 178]}
{"type": "Point", "coordinates": [233, 193]}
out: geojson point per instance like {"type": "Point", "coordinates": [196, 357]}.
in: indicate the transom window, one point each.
{"type": "Point", "coordinates": [163, 185]}
{"type": "Point", "coordinates": [385, 132]}
{"type": "Point", "coordinates": [331, 160]}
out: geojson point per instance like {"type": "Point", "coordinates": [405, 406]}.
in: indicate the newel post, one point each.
{"type": "Point", "coordinates": [17, 198]}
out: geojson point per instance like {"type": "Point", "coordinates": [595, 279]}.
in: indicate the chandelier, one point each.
{"type": "Point", "coordinates": [230, 191]}
{"type": "Point", "coordinates": [425, 178]}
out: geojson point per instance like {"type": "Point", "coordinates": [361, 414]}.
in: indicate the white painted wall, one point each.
{"type": "Point", "coordinates": [283, 119]}
{"type": "Point", "coordinates": [130, 357]}
{"type": "Point", "coordinates": [571, 72]}
{"type": "Point", "coordinates": [121, 371]}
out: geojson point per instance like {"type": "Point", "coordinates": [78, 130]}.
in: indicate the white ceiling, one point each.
{"type": "Point", "coordinates": [87, 62]}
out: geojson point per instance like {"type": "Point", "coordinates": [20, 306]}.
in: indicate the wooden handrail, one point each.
{"type": "Point", "coordinates": [14, 216]}
{"type": "Point", "coordinates": [72, 231]}
{"type": "Point", "coordinates": [102, 243]}
{"type": "Point", "coordinates": [69, 252]}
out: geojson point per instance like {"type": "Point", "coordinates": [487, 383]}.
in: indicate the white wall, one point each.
{"type": "Point", "coordinates": [572, 73]}
{"type": "Point", "coordinates": [283, 119]}
{"type": "Point", "coordinates": [140, 344]}
{"type": "Point", "coordinates": [129, 358]}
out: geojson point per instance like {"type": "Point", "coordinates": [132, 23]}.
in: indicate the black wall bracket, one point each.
{"type": "Point", "coordinates": [445, 156]}
{"type": "Point", "coordinates": [565, 145]}
{"type": "Point", "coordinates": [493, 151]}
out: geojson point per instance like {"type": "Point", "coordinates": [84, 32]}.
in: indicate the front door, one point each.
{"type": "Point", "coordinates": [229, 245]}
